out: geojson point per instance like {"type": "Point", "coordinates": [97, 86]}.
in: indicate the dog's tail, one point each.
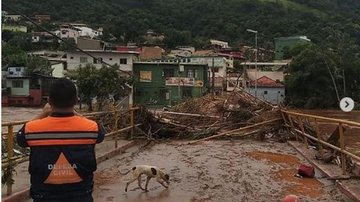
{"type": "Point", "coordinates": [125, 173]}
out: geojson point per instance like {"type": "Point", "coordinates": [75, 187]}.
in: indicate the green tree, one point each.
{"type": "Point", "coordinates": [310, 82]}
{"type": "Point", "coordinates": [86, 79]}
{"type": "Point", "coordinates": [99, 83]}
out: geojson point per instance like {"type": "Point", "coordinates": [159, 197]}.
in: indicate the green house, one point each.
{"type": "Point", "coordinates": [287, 42]}
{"type": "Point", "coordinates": [159, 84]}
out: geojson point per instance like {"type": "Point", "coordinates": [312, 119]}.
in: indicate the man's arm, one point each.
{"type": "Point", "coordinates": [20, 138]}
{"type": "Point", "coordinates": [101, 134]}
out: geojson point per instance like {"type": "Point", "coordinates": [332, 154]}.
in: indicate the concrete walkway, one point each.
{"type": "Point", "coordinates": [104, 151]}
{"type": "Point", "coordinates": [350, 187]}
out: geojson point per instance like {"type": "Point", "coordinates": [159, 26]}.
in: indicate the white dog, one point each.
{"type": "Point", "coordinates": [150, 172]}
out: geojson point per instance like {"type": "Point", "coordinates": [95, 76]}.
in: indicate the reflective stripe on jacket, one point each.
{"type": "Point", "coordinates": [62, 154]}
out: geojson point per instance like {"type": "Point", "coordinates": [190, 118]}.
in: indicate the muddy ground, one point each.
{"type": "Point", "coordinates": [240, 170]}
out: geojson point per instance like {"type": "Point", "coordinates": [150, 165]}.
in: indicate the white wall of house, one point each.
{"type": "Point", "coordinates": [220, 63]}
{"type": "Point", "coordinates": [272, 95]}
{"type": "Point", "coordinates": [74, 59]}
{"type": "Point", "coordinates": [58, 70]}
{"type": "Point", "coordinates": [86, 31]}
{"type": "Point", "coordinates": [69, 33]}
{"type": "Point", "coordinates": [19, 86]}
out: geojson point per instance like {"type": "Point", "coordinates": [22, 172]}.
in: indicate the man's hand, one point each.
{"type": "Point", "coordinates": [46, 111]}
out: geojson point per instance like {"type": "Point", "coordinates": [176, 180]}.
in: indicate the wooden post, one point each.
{"type": "Point", "coordinates": [318, 136]}
{"type": "Point", "coordinates": [303, 131]}
{"type": "Point", "coordinates": [116, 118]}
{"type": "Point", "coordinates": [282, 114]}
{"type": "Point", "coordinates": [292, 127]}
{"type": "Point", "coordinates": [342, 147]}
{"type": "Point", "coordinates": [132, 120]}
{"type": "Point", "coordinates": [10, 149]}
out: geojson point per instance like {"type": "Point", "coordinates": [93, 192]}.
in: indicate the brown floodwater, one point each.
{"type": "Point", "coordinates": [352, 135]}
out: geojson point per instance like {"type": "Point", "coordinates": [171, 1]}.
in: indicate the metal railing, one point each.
{"type": "Point", "coordinates": [295, 122]}
{"type": "Point", "coordinates": [11, 161]}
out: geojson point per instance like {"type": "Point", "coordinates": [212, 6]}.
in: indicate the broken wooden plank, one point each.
{"type": "Point", "coordinates": [188, 114]}
{"type": "Point", "coordinates": [236, 130]}
{"type": "Point", "coordinates": [339, 177]}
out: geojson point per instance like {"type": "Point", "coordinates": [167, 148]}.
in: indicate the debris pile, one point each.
{"type": "Point", "coordinates": [223, 115]}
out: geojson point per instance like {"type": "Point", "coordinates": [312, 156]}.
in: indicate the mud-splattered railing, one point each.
{"type": "Point", "coordinates": [299, 123]}
{"type": "Point", "coordinates": [9, 161]}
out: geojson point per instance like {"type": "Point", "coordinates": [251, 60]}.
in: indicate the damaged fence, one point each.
{"type": "Point", "coordinates": [329, 144]}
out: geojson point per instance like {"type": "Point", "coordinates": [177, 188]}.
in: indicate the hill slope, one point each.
{"type": "Point", "coordinates": [194, 21]}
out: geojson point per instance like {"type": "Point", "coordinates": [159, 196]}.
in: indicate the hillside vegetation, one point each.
{"type": "Point", "coordinates": [319, 76]}
{"type": "Point", "coordinates": [193, 22]}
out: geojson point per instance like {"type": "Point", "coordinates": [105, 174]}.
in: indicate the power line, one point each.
{"type": "Point", "coordinates": [54, 35]}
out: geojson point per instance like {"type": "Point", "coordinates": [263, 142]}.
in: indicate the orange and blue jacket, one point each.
{"type": "Point", "coordinates": [62, 154]}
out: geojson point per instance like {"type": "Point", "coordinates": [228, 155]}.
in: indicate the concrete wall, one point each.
{"type": "Point", "coordinates": [155, 92]}
{"type": "Point", "coordinates": [112, 58]}
{"type": "Point", "coordinates": [272, 95]}
{"type": "Point", "coordinates": [290, 42]}
{"type": "Point", "coordinates": [14, 28]}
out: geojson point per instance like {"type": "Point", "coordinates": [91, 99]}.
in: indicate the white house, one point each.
{"type": "Point", "coordinates": [221, 44]}
{"type": "Point", "coordinates": [86, 31]}
{"type": "Point", "coordinates": [78, 30]}
{"type": "Point", "coordinates": [124, 59]}
{"type": "Point", "coordinates": [268, 89]}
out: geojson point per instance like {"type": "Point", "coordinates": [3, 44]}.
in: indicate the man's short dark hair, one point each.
{"type": "Point", "coordinates": [63, 93]}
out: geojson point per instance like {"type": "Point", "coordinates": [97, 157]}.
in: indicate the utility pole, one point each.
{"type": "Point", "coordinates": [179, 93]}
{"type": "Point", "coordinates": [213, 75]}
{"type": "Point", "coordinates": [256, 69]}
{"type": "Point", "coordinates": [256, 58]}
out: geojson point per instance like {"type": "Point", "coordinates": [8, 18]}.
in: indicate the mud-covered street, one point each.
{"type": "Point", "coordinates": [241, 170]}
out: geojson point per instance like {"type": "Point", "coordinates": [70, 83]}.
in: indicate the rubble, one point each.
{"type": "Point", "coordinates": [212, 115]}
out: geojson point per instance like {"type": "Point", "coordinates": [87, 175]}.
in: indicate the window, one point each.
{"type": "Point", "coordinates": [196, 74]}
{"type": "Point", "coordinates": [83, 60]}
{"type": "Point", "coordinates": [123, 61]}
{"type": "Point", "coordinates": [190, 73]}
{"type": "Point", "coordinates": [98, 61]}
{"type": "Point", "coordinates": [168, 73]}
{"type": "Point", "coordinates": [17, 84]}
{"type": "Point", "coordinates": [71, 57]}
{"type": "Point", "coordinates": [231, 84]}
{"type": "Point", "coordinates": [265, 92]}
{"type": "Point", "coordinates": [216, 69]}
{"type": "Point", "coordinates": [110, 58]}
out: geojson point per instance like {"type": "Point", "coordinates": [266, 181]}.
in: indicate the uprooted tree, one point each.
{"type": "Point", "coordinates": [99, 83]}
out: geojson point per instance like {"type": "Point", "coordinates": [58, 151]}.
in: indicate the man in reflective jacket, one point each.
{"type": "Point", "coordinates": [62, 148]}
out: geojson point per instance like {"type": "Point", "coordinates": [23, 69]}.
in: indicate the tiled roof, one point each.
{"type": "Point", "coordinates": [265, 81]}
